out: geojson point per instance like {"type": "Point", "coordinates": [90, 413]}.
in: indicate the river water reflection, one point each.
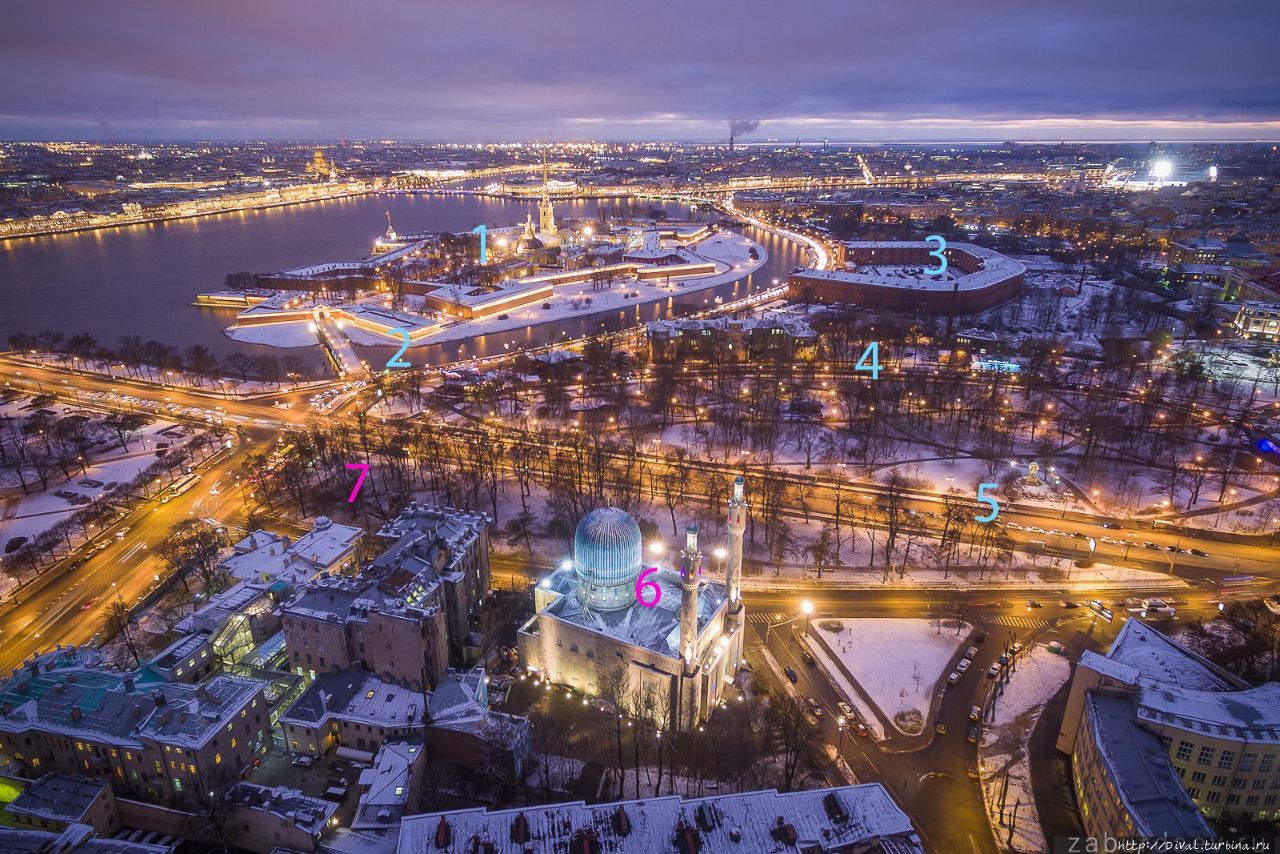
{"type": "Point", "coordinates": [141, 280]}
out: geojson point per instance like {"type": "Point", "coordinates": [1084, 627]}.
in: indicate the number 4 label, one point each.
{"type": "Point", "coordinates": [987, 499]}
{"type": "Point", "coordinates": [873, 350]}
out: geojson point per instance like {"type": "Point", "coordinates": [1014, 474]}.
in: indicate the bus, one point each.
{"type": "Point", "coordinates": [178, 487]}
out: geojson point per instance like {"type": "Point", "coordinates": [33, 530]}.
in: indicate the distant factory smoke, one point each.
{"type": "Point", "coordinates": [107, 130]}
{"type": "Point", "coordinates": [738, 127]}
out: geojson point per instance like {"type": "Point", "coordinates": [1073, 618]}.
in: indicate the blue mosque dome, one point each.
{"type": "Point", "coordinates": [607, 555]}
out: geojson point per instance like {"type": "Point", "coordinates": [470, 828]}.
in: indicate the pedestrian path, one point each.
{"type": "Point", "coordinates": [1016, 622]}
{"type": "Point", "coordinates": [762, 618]}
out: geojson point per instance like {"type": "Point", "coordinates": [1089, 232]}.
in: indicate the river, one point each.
{"type": "Point", "coordinates": [141, 280]}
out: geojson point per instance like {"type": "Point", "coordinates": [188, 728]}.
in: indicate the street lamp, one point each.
{"type": "Point", "coordinates": [721, 554]}
{"type": "Point", "coordinates": [806, 607]}
{"type": "Point", "coordinates": [657, 548]}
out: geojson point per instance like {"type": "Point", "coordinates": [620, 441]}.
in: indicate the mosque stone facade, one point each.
{"type": "Point", "coordinates": [684, 648]}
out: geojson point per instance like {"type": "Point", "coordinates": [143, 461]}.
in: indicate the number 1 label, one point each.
{"type": "Point", "coordinates": [480, 229]}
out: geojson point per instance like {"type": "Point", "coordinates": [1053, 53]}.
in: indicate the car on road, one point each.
{"type": "Point", "coordinates": [845, 709]}
{"type": "Point", "coordinates": [962, 665]}
{"type": "Point", "coordinates": [1113, 526]}
{"type": "Point", "coordinates": [14, 544]}
{"type": "Point", "coordinates": [73, 565]}
{"type": "Point", "coordinates": [1016, 647]}
{"type": "Point", "coordinates": [1003, 659]}
{"type": "Point", "coordinates": [940, 725]}
{"type": "Point", "coordinates": [972, 735]}
{"type": "Point", "coordinates": [1035, 530]}
{"type": "Point", "coordinates": [303, 761]}
{"type": "Point", "coordinates": [1198, 552]}
{"type": "Point", "coordinates": [807, 657]}
{"type": "Point", "coordinates": [1147, 544]}
{"type": "Point", "coordinates": [102, 544]}
{"type": "Point", "coordinates": [1067, 603]}
{"type": "Point", "coordinates": [861, 729]}
{"type": "Point", "coordinates": [1110, 540]}
{"type": "Point", "coordinates": [993, 671]}
{"type": "Point", "coordinates": [975, 713]}
{"type": "Point", "coordinates": [1079, 535]}
{"type": "Point", "coordinates": [791, 674]}
{"type": "Point", "coordinates": [980, 637]}
{"type": "Point", "coordinates": [120, 533]}
{"type": "Point", "coordinates": [971, 652]}
{"type": "Point", "coordinates": [87, 604]}
{"type": "Point", "coordinates": [814, 707]}
{"type": "Point", "coordinates": [953, 678]}
{"type": "Point", "coordinates": [1032, 603]}
{"type": "Point", "coordinates": [1013, 526]}
{"type": "Point", "coordinates": [971, 768]}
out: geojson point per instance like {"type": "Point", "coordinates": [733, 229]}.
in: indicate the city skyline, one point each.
{"type": "Point", "coordinates": [915, 73]}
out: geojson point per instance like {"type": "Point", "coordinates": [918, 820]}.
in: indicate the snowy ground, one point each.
{"type": "Point", "coordinates": [1038, 677]}
{"type": "Point", "coordinates": [299, 334]}
{"type": "Point", "coordinates": [896, 661]}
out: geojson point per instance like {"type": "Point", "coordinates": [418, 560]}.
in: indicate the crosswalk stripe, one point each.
{"type": "Point", "coordinates": [1017, 622]}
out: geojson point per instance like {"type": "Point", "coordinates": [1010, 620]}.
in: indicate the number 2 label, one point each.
{"type": "Point", "coordinates": [395, 361]}
{"type": "Point", "coordinates": [937, 253]}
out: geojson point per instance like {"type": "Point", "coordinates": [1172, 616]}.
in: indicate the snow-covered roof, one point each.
{"type": "Point", "coordinates": [58, 797]}
{"type": "Point", "coordinates": [1160, 658]}
{"type": "Point", "coordinates": [288, 805]}
{"type": "Point", "coordinates": [764, 821]}
{"type": "Point", "coordinates": [1253, 714]}
{"type": "Point", "coordinates": [266, 557]}
{"type": "Point", "coordinates": [357, 695]}
{"type": "Point", "coordinates": [75, 839]}
{"type": "Point", "coordinates": [1138, 765]}
{"type": "Point", "coordinates": [427, 534]}
{"type": "Point", "coordinates": [386, 785]}
{"type": "Point", "coordinates": [79, 699]}
{"type": "Point", "coordinates": [655, 628]}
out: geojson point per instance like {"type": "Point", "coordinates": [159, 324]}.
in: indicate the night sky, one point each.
{"type": "Point", "coordinates": [567, 70]}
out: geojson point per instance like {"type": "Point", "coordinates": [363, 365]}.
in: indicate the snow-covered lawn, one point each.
{"type": "Point", "coordinates": [1039, 675]}
{"type": "Point", "coordinates": [896, 661]}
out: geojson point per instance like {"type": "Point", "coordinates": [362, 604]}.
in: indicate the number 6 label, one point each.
{"type": "Point", "coordinates": [642, 585]}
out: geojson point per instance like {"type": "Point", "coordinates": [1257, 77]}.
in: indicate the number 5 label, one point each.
{"type": "Point", "coordinates": [937, 253]}
{"type": "Point", "coordinates": [987, 499]}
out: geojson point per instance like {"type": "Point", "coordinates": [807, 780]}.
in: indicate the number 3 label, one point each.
{"type": "Point", "coordinates": [987, 499]}
{"type": "Point", "coordinates": [937, 253]}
